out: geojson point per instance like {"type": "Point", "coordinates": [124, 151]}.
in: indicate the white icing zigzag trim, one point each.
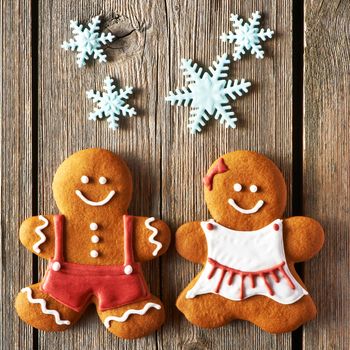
{"type": "Point", "coordinates": [127, 313]}
{"type": "Point", "coordinates": [40, 234]}
{"type": "Point", "coordinates": [92, 203]}
{"type": "Point", "coordinates": [46, 311]}
{"type": "Point", "coordinates": [151, 237]}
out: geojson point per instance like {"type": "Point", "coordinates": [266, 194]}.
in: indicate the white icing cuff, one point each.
{"type": "Point", "coordinates": [127, 313]}
{"type": "Point", "coordinates": [44, 310]}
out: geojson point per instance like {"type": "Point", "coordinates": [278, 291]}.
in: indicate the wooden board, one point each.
{"type": "Point", "coordinates": [326, 168]}
{"type": "Point", "coordinates": [44, 119]}
{"type": "Point", "coordinates": [265, 125]}
{"type": "Point", "coordinates": [16, 165]}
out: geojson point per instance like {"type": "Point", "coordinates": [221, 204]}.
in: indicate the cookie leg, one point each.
{"type": "Point", "coordinates": [274, 317]}
{"type": "Point", "coordinates": [207, 311]}
{"type": "Point", "coordinates": [135, 320]}
{"type": "Point", "coordinates": [43, 312]}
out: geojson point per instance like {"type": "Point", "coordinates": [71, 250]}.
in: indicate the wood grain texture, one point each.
{"type": "Point", "coordinates": [264, 124]}
{"type": "Point", "coordinates": [138, 60]}
{"type": "Point", "coordinates": [167, 162]}
{"type": "Point", "coordinates": [16, 165]}
{"type": "Point", "coordinates": [326, 167]}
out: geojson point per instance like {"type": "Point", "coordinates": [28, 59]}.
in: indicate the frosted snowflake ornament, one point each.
{"type": "Point", "coordinates": [247, 36]}
{"type": "Point", "coordinates": [110, 103]}
{"type": "Point", "coordinates": [88, 41]}
{"type": "Point", "coordinates": [208, 93]}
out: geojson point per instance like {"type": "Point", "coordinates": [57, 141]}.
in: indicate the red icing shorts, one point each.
{"type": "Point", "coordinates": [75, 284]}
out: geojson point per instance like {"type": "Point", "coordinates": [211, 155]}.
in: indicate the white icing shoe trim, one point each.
{"type": "Point", "coordinates": [92, 203]}
{"type": "Point", "coordinates": [253, 210]}
{"type": "Point", "coordinates": [40, 234]}
{"type": "Point", "coordinates": [127, 313]}
{"type": "Point", "coordinates": [46, 311]}
{"type": "Point", "coordinates": [151, 237]}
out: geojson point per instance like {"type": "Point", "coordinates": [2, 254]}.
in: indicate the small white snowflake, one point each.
{"type": "Point", "coordinates": [111, 103]}
{"type": "Point", "coordinates": [247, 36]}
{"type": "Point", "coordinates": [88, 41]}
{"type": "Point", "coordinates": [208, 93]}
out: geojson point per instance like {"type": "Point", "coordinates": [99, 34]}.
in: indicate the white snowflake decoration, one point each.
{"type": "Point", "coordinates": [247, 36]}
{"type": "Point", "coordinates": [208, 93]}
{"type": "Point", "coordinates": [88, 41]}
{"type": "Point", "coordinates": [111, 104]}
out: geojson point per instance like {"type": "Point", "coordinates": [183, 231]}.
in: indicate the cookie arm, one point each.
{"type": "Point", "coordinates": [191, 242]}
{"type": "Point", "coordinates": [303, 238]}
{"type": "Point", "coordinates": [37, 235]}
{"type": "Point", "coordinates": [151, 238]}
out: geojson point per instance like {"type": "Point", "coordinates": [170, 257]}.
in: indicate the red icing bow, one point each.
{"type": "Point", "coordinates": [219, 168]}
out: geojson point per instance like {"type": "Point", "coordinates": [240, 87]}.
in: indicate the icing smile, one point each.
{"type": "Point", "coordinates": [95, 204]}
{"type": "Point", "coordinates": [253, 210]}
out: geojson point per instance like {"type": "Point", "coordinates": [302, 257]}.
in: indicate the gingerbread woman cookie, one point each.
{"type": "Point", "coordinates": [247, 250]}
{"type": "Point", "coordinates": [94, 250]}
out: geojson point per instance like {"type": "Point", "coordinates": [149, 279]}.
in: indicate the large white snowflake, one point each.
{"type": "Point", "coordinates": [208, 93]}
{"type": "Point", "coordinates": [87, 41]}
{"type": "Point", "coordinates": [247, 36]}
{"type": "Point", "coordinates": [111, 104]}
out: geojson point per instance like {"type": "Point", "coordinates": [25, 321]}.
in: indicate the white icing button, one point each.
{"type": "Point", "coordinates": [94, 253]}
{"type": "Point", "coordinates": [93, 226]}
{"type": "Point", "coordinates": [56, 266]}
{"type": "Point", "coordinates": [84, 179]}
{"type": "Point", "coordinates": [253, 188]}
{"type": "Point", "coordinates": [95, 239]}
{"type": "Point", "coordinates": [128, 269]}
{"type": "Point", "coordinates": [102, 180]}
{"type": "Point", "coordinates": [237, 187]}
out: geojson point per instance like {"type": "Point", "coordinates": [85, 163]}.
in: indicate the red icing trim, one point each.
{"type": "Point", "coordinates": [291, 284]}
{"type": "Point", "coordinates": [230, 279]}
{"type": "Point", "coordinates": [252, 275]}
{"type": "Point", "coordinates": [128, 229]}
{"type": "Point", "coordinates": [219, 168]}
{"type": "Point", "coordinates": [242, 286]}
{"type": "Point", "coordinates": [210, 226]}
{"type": "Point", "coordinates": [252, 280]}
{"type": "Point", "coordinates": [212, 272]}
{"type": "Point", "coordinates": [58, 225]}
{"type": "Point", "coordinates": [268, 287]}
{"type": "Point", "coordinates": [223, 272]}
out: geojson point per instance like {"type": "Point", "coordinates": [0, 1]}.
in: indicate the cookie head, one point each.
{"type": "Point", "coordinates": [245, 191]}
{"type": "Point", "coordinates": [92, 180]}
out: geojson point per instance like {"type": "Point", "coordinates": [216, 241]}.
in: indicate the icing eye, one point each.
{"type": "Point", "coordinates": [237, 187]}
{"type": "Point", "coordinates": [84, 179]}
{"type": "Point", "coordinates": [253, 188]}
{"type": "Point", "coordinates": [102, 180]}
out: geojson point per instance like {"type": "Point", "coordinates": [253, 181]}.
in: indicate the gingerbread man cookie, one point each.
{"type": "Point", "coordinates": [94, 250]}
{"type": "Point", "coordinates": [247, 250]}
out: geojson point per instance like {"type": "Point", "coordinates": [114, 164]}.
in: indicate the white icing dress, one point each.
{"type": "Point", "coordinates": [242, 264]}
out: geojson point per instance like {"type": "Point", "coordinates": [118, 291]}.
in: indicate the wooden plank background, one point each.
{"type": "Point", "coordinates": [44, 119]}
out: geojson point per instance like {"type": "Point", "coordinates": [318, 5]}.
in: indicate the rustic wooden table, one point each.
{"type": "Point", "coordinates": [297, 113]}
